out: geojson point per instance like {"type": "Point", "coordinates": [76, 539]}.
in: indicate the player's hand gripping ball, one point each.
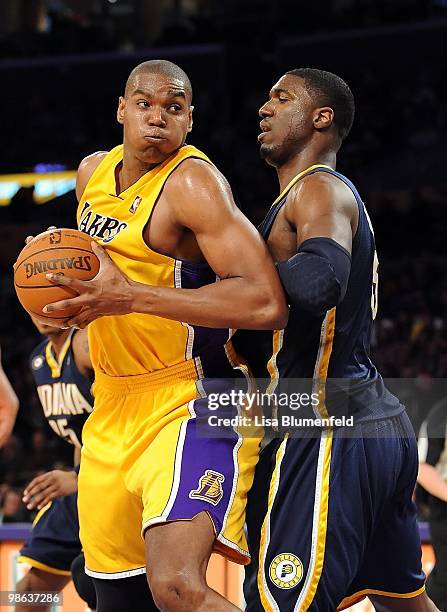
{"type": "Point", "coordinates": [65, 252]}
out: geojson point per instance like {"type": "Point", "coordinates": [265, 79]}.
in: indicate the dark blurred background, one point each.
{"type": "Point", "coordinates": [64, 63]}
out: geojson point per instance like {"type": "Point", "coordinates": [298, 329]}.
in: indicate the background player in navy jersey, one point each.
{"type": "Point", "coordinates": [9, 405]}
{"type": "Point", "coordinates": [63, 375]}
{"type": "Point", "coordinates": [331, 517]}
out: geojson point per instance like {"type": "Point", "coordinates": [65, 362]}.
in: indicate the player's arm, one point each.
{"type": "Point", "coordinates": [76, 456]}
{"type": "Point", "coordinates": [85, 170]}
{"type": "Point", "coordinates": [432, 481]}
{"type": "Point", "coordinates": [431, 445]}
{"type": "Point", "coordinates": [249, 294]}
{"type": "Point", "coordinates": [324, 214]}
{"type": "Point", "coordinates": [46, 487]}
{"type": "Point", "coordinates": [9, 405]}
{"type": "Point", "coordinates": [82, 354]}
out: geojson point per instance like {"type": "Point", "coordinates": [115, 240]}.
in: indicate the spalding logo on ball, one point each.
{"type": "Point", "coordinates": [61, 251]}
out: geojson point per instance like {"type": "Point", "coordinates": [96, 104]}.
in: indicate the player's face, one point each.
{"type": "Point", "coordinates": [156, 115]}
{"type": "Point", "coordinates": [46, 330]}
{"type": "Point", "coordinates": [287, 120]}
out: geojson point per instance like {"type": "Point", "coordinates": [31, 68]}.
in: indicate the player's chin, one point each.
{"type": "Point", "coordinates": [157, 150]}
{"type": "Point", "coordinates": [270, 154]}
{"type": "Point", "coordinates": [46, 325]}
{"type": "Point", "coordinates": [266, 152]}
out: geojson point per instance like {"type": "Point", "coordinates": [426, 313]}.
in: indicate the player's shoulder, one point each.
{"type": "Point", "coordinates": [323, 188]}
{"type": "Point", "coordinates": [325, 183]}
{"type": "Point", "coordinates": [92, 161]}
{"type": "Point", "coordinates": [81, 353]}
{"type": "Point", "coordinates": [37, 356]}
{"type": "Point", "coordinates": [86, 168]}
{"type": "Point", "coordinates": [195, 173]}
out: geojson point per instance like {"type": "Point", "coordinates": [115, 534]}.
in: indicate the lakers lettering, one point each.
{"type": "Point", "coordinates": [101, 227]}
{"type": "Point", "coordinates": [82, 262]}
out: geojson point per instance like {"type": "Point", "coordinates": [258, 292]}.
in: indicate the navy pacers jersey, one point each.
{"type": "Point", "coordinates": [336, 345]}
{"type": "Point", "coordinates": [65, 394]}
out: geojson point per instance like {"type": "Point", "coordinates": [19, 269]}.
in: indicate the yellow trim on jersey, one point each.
{"type": "Point", "coordinates": [41, 512]}
{"type": "Point", "coordinates": [56, 364]}
{"type": "Point", "coordinates": [322, 362]}
{"type": "Point", "coordinates": [324, 465]}
{"type": "Point", "coordinates": [42, 566]}
{"type": "Point", "coordinates": [318, 550]}
{"type": "Point", "coordinates": [278, 338]}
{"type": "Point", "coordinates": [347, 602]}
{"type": "Point", "coordinates": [264, 592]}
{"type": "Point", "coordinates": [297, 178]}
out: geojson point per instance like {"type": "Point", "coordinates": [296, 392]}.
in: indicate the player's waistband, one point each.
{"type": "Point", "coordinates": [186, 370]}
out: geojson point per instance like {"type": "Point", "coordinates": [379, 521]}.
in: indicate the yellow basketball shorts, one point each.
{"type": "Point", "coordinates": [146, 461]}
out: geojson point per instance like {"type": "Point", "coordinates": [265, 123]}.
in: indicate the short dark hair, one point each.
{"type": "Point", "coordinates": [160, 67]}
{"type": "Point", "coordinates": [328, 89]}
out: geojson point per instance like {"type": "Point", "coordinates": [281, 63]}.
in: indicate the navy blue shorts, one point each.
{"type": "Point", "coordinates": [54, 539]}
{"type": "Point", "coordinates": [331, 519]}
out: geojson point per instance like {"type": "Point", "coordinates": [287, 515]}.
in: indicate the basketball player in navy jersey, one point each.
{"type": "Point", "coordinates": [331, 518]}
{"type": "Point", "coordinates": [63, 375]}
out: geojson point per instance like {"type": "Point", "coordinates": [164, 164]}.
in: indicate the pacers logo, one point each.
{"type": "Point", "coordinates": [210, 488]}
{"type": "Point", "coordinates": [286, 571]}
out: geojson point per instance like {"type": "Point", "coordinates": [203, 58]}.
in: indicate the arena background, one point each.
{"type": "Point", "coordinates": [62, 66]}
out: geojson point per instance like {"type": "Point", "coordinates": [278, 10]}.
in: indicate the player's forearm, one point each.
{"type": "Point", "coordinates": [431, 480]}
{"type": "Point", "coordinates": [76, 456]}
{"type": "Point", "coordinates": [8, 414]}
{"type": "Point", "coordinates": [232, 302]}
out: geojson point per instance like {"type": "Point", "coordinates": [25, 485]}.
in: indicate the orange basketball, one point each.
{"type": "Point", "coordinates": [61, 251]}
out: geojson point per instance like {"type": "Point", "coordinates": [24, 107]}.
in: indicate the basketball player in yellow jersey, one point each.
{"type": "Point", "coordinates": [159, 343]}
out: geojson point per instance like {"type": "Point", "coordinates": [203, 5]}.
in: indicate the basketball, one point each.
{"type": "Point", "coordinates": [61, 251]}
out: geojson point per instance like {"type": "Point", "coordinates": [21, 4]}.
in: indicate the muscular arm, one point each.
{"type": "Point", "coordinates": [9, 405]}
{"type": "Point", "coordinates": [323, 206]}
{"type": "Point", "coordinates": [249, 294]}
{"type": "Point", "coordinates": [323, 213]}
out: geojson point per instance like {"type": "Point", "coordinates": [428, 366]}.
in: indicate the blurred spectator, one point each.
{"type": "Point", "coordinates": [11, 507]}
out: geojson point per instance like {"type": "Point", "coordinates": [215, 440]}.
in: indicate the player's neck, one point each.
{"type": "Point", "coordinates": [132, 169]}
{"type": "Point", "coordinates": [301, 162]}
{"type": "Point", "coordinates": [57, 342]}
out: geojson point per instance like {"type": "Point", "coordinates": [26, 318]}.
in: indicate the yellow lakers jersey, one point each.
{"type": "Point", "coordinates": [136, 343]}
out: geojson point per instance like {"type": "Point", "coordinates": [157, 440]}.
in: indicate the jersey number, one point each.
{"type": "Point", "coordinates": [60, 427]}
{"type": "Point", "coordinates": [375, 286]}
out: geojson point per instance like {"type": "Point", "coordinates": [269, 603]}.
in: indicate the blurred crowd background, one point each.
{"type": "Point", "coordinates": [63, 65]}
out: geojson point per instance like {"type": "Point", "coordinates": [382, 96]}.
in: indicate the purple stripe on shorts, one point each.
{"type": "Point", "coordinates": [207, 470]}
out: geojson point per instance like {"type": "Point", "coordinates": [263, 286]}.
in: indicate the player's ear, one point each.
{"type": "Point", "coordinates": [120, 111]}
{"type": "Point", "coordinates": [323, 117]}
{"type": "Point", "coordinates": [191, 121]}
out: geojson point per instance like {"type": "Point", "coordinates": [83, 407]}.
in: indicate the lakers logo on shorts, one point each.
{"type": "Point", "coordinates": [210, 487]}
{"type": "Point", "coordinates": [286, 571]}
